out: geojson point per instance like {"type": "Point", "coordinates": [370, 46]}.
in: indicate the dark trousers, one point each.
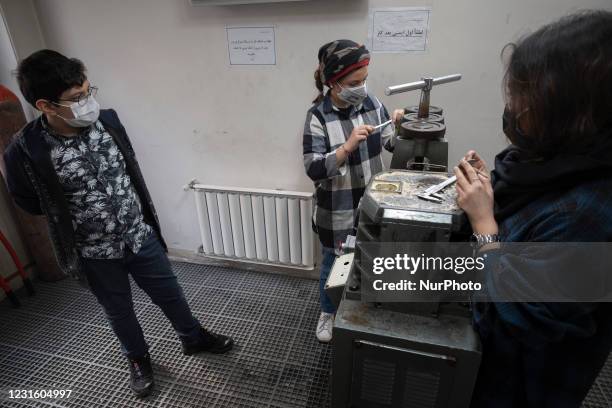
{"type": "Point", "coordinates": [151, 270]}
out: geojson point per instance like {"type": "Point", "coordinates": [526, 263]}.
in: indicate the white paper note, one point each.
{"type": "Point", "coordinates": [399, 29]}
{"type": "Point", "coordinates": [251, 45]}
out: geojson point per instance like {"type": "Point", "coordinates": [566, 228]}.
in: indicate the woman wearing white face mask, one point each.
{"type": "Point", "coordinates": [342, 150]}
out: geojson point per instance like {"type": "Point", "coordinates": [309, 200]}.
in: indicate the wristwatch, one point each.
{"type": "Point", "coordinates": [478, 240]}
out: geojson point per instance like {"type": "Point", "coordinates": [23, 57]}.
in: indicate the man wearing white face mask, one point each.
{"type": "Point", "coordinates": [75, 164]}
{"type": "Point", "coordinates": [342, 151]}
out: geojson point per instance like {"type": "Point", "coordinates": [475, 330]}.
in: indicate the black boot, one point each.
{"type": "Point", "coordinates": [141, 375]}
{"type": "Point", "coordinates": [211, 342]}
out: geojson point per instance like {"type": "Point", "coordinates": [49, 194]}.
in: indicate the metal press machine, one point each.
{"type": "Point", "coordinates": [404, 354]}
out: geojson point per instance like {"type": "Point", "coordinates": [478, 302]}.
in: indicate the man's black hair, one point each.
{"type": "Point", "coordinates": [46, 74]}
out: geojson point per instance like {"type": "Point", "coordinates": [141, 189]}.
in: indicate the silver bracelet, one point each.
{"type": "Point", "coordinates": [478, 240]}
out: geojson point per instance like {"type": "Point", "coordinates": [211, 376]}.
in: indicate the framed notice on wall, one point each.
{"type": "Point", "coordinates": [399, 29]}
{"type": "Point", "coordinates": [251, 45]}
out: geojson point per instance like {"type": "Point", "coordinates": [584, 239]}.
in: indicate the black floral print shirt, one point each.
{"type": "Point", "coordinates": [106, 211]}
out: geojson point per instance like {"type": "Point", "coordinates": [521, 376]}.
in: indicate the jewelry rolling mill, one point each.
{"type": "Point", "coordinates": [404, 354]}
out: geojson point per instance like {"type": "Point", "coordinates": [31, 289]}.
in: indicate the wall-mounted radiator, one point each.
{"type": "Point", "coordinates": [255, 225]}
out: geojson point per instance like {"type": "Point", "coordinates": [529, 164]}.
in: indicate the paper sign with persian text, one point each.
{"type": "Point", "coordinates": [251, 45]}
{"type": "Point", "coordinates": [399, 29]}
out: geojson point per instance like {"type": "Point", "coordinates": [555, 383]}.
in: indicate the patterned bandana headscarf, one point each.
{"type": "Point", "coordinates": [339, 58]}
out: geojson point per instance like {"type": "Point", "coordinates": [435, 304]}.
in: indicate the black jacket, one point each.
{"type": "Point", "coordinates": [33, 183]}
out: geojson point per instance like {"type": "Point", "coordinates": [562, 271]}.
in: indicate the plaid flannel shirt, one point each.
{"type": "Point", "coordinates": [340, 187]}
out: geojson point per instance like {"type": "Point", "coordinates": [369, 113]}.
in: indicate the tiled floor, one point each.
{"type": "Point", "coordinates": [59, 339]}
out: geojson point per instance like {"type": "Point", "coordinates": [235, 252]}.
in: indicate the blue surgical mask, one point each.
{"type": "Point", "coordinates": [355, 95]}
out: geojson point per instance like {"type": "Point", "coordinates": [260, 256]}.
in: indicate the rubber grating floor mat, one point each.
{"type": "Point", "coordinates": [60, 339]}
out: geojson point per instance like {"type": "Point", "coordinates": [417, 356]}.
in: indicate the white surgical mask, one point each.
{"type": "Point", "coordinates": [83, 115]}
{"type": "Point", "coordinates": [355, 95]}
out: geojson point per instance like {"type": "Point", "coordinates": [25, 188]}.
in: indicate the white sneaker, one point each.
{"type": "Point", "coordinates": [324, 327]}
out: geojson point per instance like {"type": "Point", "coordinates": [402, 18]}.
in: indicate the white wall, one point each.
{"type": "Point", "coordinates": [22, 20]}
{"type": "Point", "coordinates": [8, 226]}
{"type": "Point", "coordinates": [8, 62]}
{"type": "Point", "coordinates": [163, 65]}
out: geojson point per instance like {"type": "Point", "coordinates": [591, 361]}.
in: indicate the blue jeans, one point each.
{"type": "Point", "coordinates": [151, 270]}
{"type": "Point", "coordinates": [329, 256]}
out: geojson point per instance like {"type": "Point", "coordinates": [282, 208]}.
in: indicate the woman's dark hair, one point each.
{"type": "Point", "coordinates": [319, 85]}
{"type": "Point", "coordinates": [561, 78]}
{"type": "Point", "coordinates": [46, 74]}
